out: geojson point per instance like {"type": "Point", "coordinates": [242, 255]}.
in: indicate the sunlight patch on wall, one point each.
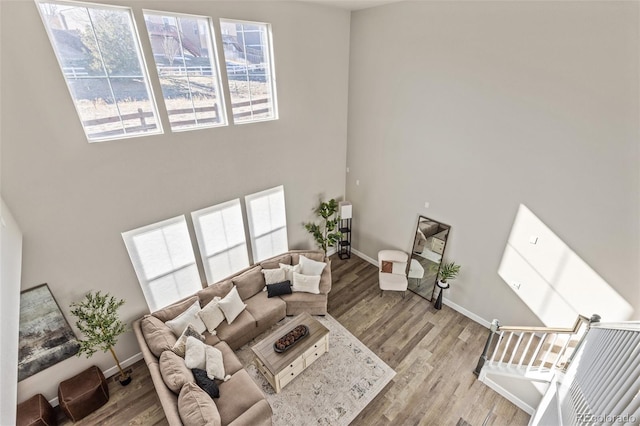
{"type": "Point", "coordinates": [552, 280]}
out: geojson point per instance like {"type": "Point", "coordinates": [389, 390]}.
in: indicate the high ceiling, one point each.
{"type": "Point", "coordinates": [352, 4]}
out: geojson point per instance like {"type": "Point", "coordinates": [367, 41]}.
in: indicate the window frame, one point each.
{"type": "Point", "coordinates": [144, 281]}
{"type": "Point", "coordinates": [141, 60]}
{"type": "Point", "coordinates": [200, 237]}
{"type": "Point", "coordinates": [252, 233]}
{"type": "Point", "coordinates": [215, 60]}
{"type": "Point", "coordinates": [272, 71]}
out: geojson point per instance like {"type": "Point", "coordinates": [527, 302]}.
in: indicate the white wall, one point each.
{"type": "Point", "coordinates": [73, 199]}
{"type": "Point", "coordinates": [10, 266]}
{"type": "Point", "coordinates": [478, 107]}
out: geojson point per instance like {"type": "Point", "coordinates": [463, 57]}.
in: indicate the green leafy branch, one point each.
{"type": "Point", "coordinates": [97, 318]}
{"type": "Point", "coordinates": [448, 271]}
{"type": "Point", "coordinates": [326, 234]}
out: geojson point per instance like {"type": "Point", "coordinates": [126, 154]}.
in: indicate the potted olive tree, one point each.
{"type": "Point", "coordinates": [448, 271]}
{"type": "Point", "coordinates": [326, 233]}
{"type": "Point", "coordinates": [97, 318]}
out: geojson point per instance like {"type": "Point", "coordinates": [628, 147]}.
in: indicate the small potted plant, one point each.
{"type": "Point", "coordinates": [448, 271]}
{"type": "Point", "coordinates": [326, 233]}
{"type": "Point", "coordinates": [97, 318]}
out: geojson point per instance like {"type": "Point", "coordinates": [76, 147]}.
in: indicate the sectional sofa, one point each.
{"type": "Point", "coordinates": [241, 401]}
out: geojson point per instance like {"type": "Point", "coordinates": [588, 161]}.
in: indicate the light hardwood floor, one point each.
{"type": "Point", "coordinates": [433, 353]}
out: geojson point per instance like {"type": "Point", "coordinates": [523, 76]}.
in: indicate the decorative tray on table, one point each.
{"type": "Point", "coordinates": [291, 338]}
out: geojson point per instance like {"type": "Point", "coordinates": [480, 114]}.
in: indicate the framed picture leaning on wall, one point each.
{"type": "Point", "coordinates": [45, 337]}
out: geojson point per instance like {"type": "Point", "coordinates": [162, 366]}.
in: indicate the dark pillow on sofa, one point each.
{"type": "Point", "coordinates": [207, 385]}
{"type": "Point", "coordinates": [279, 289]}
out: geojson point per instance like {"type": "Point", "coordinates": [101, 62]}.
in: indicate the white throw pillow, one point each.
{"type": "Point", "coordinates": [211, 315]}
{"type": "Point", "coordinates": [215, 364]}
{"type": "Point", "coordinates": [289, 270]}
{"type": "Point", "coordinates": [311, 267]}
{"type": "Point", "coordinates": [273, 276]}
{"type": "Point", "coordinates": [181, 343]}
{"type": "Point", "coordinates": [179, 323]}
{"type": "Point", "coordinates": [194, 355]}
{"type": "Point", "coordinates": [232, 305]}
{"type": "Point", "coordinates": [306, 283]}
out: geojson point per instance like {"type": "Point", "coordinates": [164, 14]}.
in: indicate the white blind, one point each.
{"type": "Point", "coordinates": [267, 223]}
{"type": "Point", "coordinates": [221, 238]}
{"type": "Point", "coordinates": [162, 256]}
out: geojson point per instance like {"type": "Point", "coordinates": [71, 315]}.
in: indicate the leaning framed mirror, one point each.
{"type": "Point", "coordinates": [428, 248]}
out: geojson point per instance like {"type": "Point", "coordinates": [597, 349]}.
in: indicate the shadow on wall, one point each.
{"type": "Point", "coordinates": [552, 280]}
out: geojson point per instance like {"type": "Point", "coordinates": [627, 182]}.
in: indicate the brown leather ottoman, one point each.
{"type": "Point", "coordinates": [36, 411]}
{"type": "Point", "coordinates": [84, 393]}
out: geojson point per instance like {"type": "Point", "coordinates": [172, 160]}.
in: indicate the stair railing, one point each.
{"type": "Point", "coordinates": [533, 347]}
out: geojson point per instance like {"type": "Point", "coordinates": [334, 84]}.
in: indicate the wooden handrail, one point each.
{"type": "Point", "coordinates": [581, 319]}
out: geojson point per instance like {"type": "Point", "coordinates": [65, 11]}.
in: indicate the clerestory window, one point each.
{"type": "Point", "coordinates": [100, 57]}
{"type": "Point", "coordinates": [250, 72]}
{"type": "Point", "coordinates": [185, 56]}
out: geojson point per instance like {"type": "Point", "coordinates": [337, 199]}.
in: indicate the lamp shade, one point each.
{"type": "Point", "coordinates": [345, 210]}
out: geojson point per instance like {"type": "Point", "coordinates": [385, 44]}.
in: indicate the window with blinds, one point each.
{"type": "Point", "coordinates": [221, 239]}
{"type": "Point", "coordinates": [163, 259]}
{"type": "Point", "coordinates": [267, 223]}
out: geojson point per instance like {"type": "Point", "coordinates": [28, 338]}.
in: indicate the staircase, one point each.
{"type": "Point", "coordinates": [562, 376]}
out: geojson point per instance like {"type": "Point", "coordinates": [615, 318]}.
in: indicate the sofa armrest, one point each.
{"type": "Point", "coordinates": [168, 399]}
{"type": "Point", "coordinates": [149, 357]}
{"type": "Point", "coordinates": [325, 278]}
{"type": "Point", "coordinates": [258, 415]}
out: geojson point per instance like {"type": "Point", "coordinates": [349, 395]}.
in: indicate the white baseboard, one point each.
{"type": "Point", "coordinates": [109, 372]}
{"type": "Point", "coordinates": [331, 251]}
{"type": "Point", "coordinates": [467, 313]}
{"type": "Point", "coordinates": [363, 256]}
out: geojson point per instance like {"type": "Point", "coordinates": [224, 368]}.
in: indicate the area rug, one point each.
{"type": "Point", "coordinates": [334, 389]}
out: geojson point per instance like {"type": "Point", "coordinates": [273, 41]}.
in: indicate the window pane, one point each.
{"type": "Point", "coordinates": [221, 238]}
{"type": "Point", "coordinates": [271, 244]}
{"type": "Point", "coordinates": [185, 57]}
{"type": "Point", "coordinates": [267, 223]}
{"type": "Point", "coordinates": [163, 259]}
{"type": "Point", "coordinates": [99, 53]}
{"type": "Point", "coordinates": [247, 53]}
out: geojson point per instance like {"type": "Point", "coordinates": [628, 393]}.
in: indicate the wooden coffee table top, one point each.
{"type": "Point", "coordinates": [275, 361]}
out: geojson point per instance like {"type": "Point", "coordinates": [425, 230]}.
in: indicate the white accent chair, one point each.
{"type": "Point", "coordinates": [416, 270]}
{"type": "Point", "coordinates": [392, 267]}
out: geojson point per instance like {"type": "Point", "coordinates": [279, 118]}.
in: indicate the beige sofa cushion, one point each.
{"type": "Point", "coordinates": [258, 415]}
{"type": "Point", "coordinates": [172, 311]}
{"type": "Point", "coordinates": [230, 405]}
{"type": "Point", "coordinates": [196, 407]}
{"type": "Point", "coordinates": [266, 310]}
{"type": "Point", "coordinates": [210, 339]}
{"type": "Point", "coordinates": [250, 282]}
{"type": "Point", "coordinates": [313, 255]}
{"type": "Point", "coordinates": [220, 290]}
{"type": "Point", "coordinates": [274, 262]}
{"type": "Point", "coordinates": [231, 362]}
{"type": "Point", "coordinates": [158, 336]}
{"type": "Point", "coordinates": [174, 371]}
{"type": "Point", "coordinates": [239, 332]}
